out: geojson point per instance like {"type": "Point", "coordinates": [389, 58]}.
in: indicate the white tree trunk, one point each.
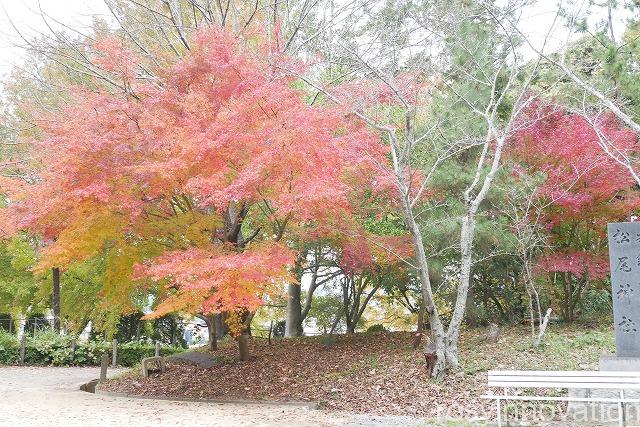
{"type": "Point", "coordinates": [543, 328]}
{"type": "Point", "coordinates": [443, 355]}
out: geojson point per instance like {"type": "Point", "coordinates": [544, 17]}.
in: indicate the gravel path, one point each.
{"type": "Point", "coordinates": [44, 396]}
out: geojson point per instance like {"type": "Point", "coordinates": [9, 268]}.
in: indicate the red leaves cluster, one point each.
{"type": "Point", "coordinates": [371, 252]}
{"type": "Point", "coordinates": [578, 263]}
{"type": "Point", "coordinates": [582, 188]}
{"type": "Point", "coordinates": [216, 279]}
{"type": "Point", "coordinates": [581, 179]}
{"type": "Point", "coordinates": [363, 95]}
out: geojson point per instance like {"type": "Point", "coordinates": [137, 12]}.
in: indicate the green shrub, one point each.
{"type": "Point", "coordinates": [50, 348]}
{"type": "Point", "coordinates": [9, 349]}
{"type": "Point", "coordinates": [376, 328]}
{"type": "Point", "coordinates": [596, 304]}
{"type": "Point", "coordinates": [47, 346]}
{"type": "Point", "coordinates": [90, 353]}
{"type": "Point", "coordinates": [130, 354]}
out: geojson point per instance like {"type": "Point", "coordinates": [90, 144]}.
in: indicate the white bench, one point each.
{"type": "Point", "coordinates": [620, 381]}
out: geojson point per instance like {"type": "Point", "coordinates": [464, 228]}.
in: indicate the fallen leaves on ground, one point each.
{"type": "Point", "coordinates": [378, 373]}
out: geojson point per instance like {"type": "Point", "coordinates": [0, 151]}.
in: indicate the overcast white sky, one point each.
{"type": "Point", "coordinates": [77, 13]}
{"type": "Point", "coordinates": [24, 14]}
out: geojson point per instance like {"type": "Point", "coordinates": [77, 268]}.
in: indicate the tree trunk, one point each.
{"type": "Point", "coordinates": [467, 233]}
{"type": "Point", "coordinates": [444, 358]}
{"type": "Point", "coordinates": [56, 298]}
{"type": "Point", "coordinates": [336, 322]}
{"type": "Point", "coordinates": [243, 340]}
{"type": "Point", "coordinates": [472, 315]}
{"type": "Point", "coordinates": [243, 346]}
{"type": "Point", "coordinates": [221, 325]}
{"type": "Point", "coordinates": [419, 327]}
{"type": "Point", "coordinates": [293, 324]}
{"type": "Point", "coordinates": [213, 336]}
{"type": "Point", "coordinates": [466, 244]}
{"type": "Point", "coordinates": [543, 327]}
{"type": "Point", "coordinates": [347, 285]}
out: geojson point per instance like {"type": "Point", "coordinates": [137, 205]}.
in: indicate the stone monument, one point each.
{"type": "Point", "coordinates": [624, 260]}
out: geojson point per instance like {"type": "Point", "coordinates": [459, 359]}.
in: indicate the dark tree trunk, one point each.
{"type": "Point", "coordinates": [243, 339]}
{"type": "Point", "coordinates": [336, 322]}
{"type": "Point", "coordinates": [293, 325]}
{"type": "Point", "coordinates": [353, 288]}
{"type": "Point", "coordinates": [213, 336]}
{"type": "Point", "coordinates": [174, 326]}
{"type": "Point", "coordinates": [56, 298]}
{"type": "Point", "coordinates": [221, 325]}
{"type": "Point", "coordinates": [430, 355]}
{"type": "Point", "coordinates": [243, 346]}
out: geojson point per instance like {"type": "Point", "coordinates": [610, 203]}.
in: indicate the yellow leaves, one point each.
{"type": "Point", "coordinates": [118, 277]}
{"type": "Point", "coordinates": [91, 229]}
{"type": "Point", "coordinates": [189, 229]}
{"type": "Point", "coordinates": [94, 229]}
{"type": "Point", "coordinates": [235, 324]}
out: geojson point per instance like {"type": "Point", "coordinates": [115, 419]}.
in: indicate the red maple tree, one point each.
{"type": "Point", "coordinates": [581, 189]}
{"type": "Point", "coordinates": [201, 175]}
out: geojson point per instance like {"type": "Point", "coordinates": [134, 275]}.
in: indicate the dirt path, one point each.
{"type": "Point", "coordinates": [43, 396]}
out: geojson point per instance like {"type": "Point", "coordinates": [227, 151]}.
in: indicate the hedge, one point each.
{"type": "Point", "coordinates": [48, 348]}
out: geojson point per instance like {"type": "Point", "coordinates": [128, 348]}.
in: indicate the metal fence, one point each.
{"type": "Point", "coordinates": [198, 327]}
{"type": "Point", "coordinates": [31, 325]}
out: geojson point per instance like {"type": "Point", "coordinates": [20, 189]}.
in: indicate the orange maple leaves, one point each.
{"type": "Point", "coordinates": [221, 127]}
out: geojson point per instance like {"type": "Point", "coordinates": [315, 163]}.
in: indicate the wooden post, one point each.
{"type": "Point", "coordinates": [157, 348]}
{"type": "Point", "coordinates": [114, 352]}
{"type": "Point", "coordinates": [104, 363]}
{"type": "Point", "coordinates": [56, 299]}
{"type": "Point", "coordinates": [23, 347]}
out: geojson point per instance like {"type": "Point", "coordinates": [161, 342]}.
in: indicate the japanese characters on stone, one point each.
{"type": "Point", "coordinates": [624, 258]}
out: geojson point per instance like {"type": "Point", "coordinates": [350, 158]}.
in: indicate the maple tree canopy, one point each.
{"type": "Point", "coordinates": [196, 178]}
{"type": "Point", "coordinates": [581, 184]}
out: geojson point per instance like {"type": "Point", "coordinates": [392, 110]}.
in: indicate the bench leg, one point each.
{"type": "Point", "coordinates": [621, 410]}
{"type": "Point", "coordinates": [499, 413]}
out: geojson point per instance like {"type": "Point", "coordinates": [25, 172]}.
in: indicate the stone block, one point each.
{"type": "Point", "coordinates": [604, 413]}
{"type": "Point", "coordinates": [153, 363]}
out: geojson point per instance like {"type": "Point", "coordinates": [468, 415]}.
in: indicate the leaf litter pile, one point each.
{"type": "Point", "coordinates": [375, 373]}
